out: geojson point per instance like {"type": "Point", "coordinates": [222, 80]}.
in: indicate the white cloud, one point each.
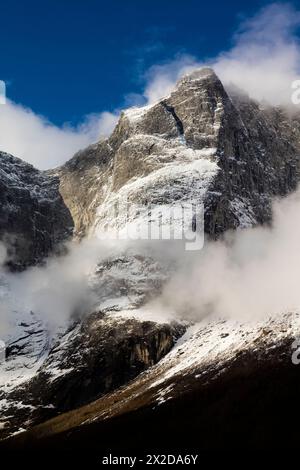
{"type": "Point", "coordinates": [58, 289]}
{"type": "Point", "coordinates": [34, 139]}
{"type": "Point", "coordinates": [253, 273]}
{"type": "Point", "coordinates": [264, 59]}
{"type": "Point", "coordinates": [266, 56]}
{"type": "Point", "coordinates": [161, 79]}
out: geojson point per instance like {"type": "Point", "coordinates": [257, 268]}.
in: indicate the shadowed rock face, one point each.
{"type": "Point", "coordinates": [105, 354]}
{"type": "Point", "coordinates": [255, 151]}
{"type": "Point", "coordinates": [93, 358]}
{"type": "Point", "coordinates": [247, 399]}
{"type": "Point", "coordinates": [33, 216]}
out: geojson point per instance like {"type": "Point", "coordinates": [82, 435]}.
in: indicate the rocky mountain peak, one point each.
{"type": "Point", "coordinates": [226, 151]}
{"type": "Point", "coordinates": [198, 78]}
{"type": "Point", "coordinates": [231, 149]}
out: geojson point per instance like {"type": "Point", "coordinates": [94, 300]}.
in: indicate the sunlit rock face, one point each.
{"type": "Point", "coordinates": [201, 143]}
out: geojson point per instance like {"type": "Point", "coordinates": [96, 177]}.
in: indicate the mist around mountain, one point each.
{"type": "Point", "coordinates": [186, 349]}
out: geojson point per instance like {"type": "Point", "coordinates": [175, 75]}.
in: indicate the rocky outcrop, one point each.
{"type": "Point", "coordinates": [201, 143]}
{"type": "Point", "coordinates": [94, 357]}
{"type": "Point", "coordinates": [104, 354]}
{"type": "Point", "coordinates": [33, 217]}
{"type": "Point", "coordinates": [107, 342]}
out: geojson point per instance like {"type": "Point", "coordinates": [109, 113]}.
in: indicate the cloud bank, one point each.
{"type": "Point", "coordinates": [31, 137]}
{"type": "Point", "coordinates": [253, 273]}
{"type": "Point", "coordinates": [263, 61]}
{"type": "Point", "coordinates": [56, 291]}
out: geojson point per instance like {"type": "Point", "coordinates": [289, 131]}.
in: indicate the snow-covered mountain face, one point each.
{"type": "Point", "coordinates": [33, 216]}
{"type": "Point", "coordinates": [200, 144]}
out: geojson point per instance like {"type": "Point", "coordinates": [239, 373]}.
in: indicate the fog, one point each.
{"type": "Point", "coordinates": [263, 61]}
{"type": "Point", "coordinates": [247, 275]}
{"type": "Point", "coordinates": [58, 290]}
{"type": "Point", "coordinates": [251, 273]}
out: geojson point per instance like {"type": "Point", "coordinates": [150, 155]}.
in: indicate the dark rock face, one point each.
{"type": "Point", "coordinates": [258, 162]}
{"type": "Point", "coordinates": [105, 354]}
{"type": "Point", "coordinates": [93, 358]}
{"type": "Point", "coordinates": [250, 400]}
{"type": "Point", "coordinates": [33, 216]}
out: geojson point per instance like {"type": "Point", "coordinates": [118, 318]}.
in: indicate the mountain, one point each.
{"type": "Point", "coordinates": [123, 361]}
{"type": "Point", "coordinates": [33, 217]}
{"type": "Point", "coordinates": [197, 144]}
{"type": "Point", "coordinates": [225, 385]}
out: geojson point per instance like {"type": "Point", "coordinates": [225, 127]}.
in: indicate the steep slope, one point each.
{"type": "Point", "coordinates": [198, 144]}
{"type": "Point", "coordinates": [91, 359]}
{"type": "Point", "coordinates": [48, 370]}
{"type": "Point", "coordinates": [224, 384]}
{"type": "Point", "coordinates": [33, 216]}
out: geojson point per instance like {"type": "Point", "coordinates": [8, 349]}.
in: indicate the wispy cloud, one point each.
{"type": "Point", "coordinates": [263, 61]}
{"type": "Point", "coordinates": [33, 138]}
{"type": "Point", "coordinates": [251, 274]}
{"type": "Point", "coordinates": [266, 56]}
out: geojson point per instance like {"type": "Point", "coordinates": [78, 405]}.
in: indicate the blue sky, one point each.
{"type": "Point", "coordinates": [65, 59]}
{"type": "Point", "coordinates": [71, 66]}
